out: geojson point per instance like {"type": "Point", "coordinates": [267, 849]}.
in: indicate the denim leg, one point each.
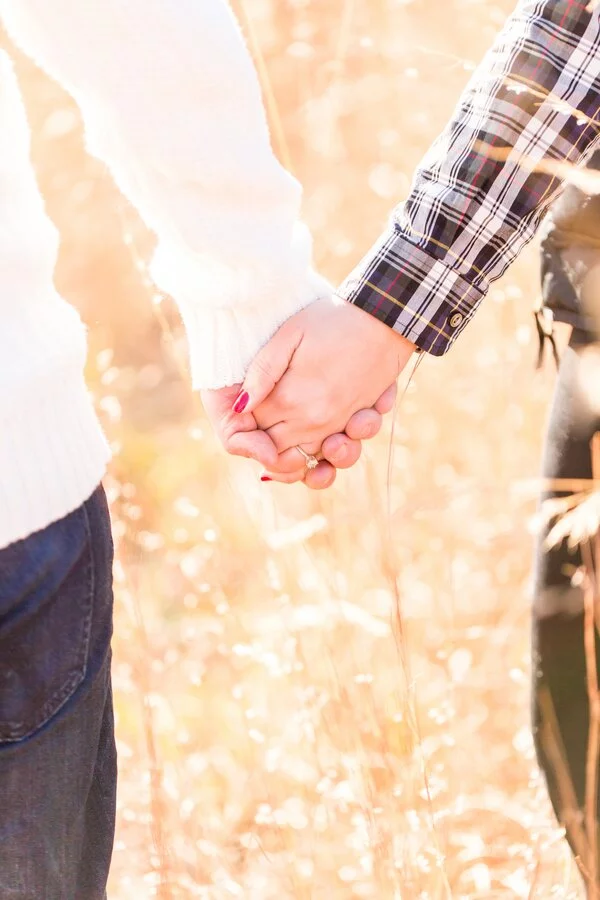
{"type": "Point", "coordinates": [57, 750]}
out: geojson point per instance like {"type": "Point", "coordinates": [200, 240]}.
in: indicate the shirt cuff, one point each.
{"type": "Point", "coordinates": [416, 294]}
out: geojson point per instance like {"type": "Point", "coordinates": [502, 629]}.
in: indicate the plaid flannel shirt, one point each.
{"type": "Point", "coordinates": [483, 187]}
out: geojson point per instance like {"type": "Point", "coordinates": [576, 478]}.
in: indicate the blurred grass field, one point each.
{"type": "Point", "coordinates": [320, 696]}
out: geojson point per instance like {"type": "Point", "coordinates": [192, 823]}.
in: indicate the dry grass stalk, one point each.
{"type": "Point", "coordinates": [591, 597]}
{"type": "Point", "coordinates": [587, 180]}
{"type": "Point", "coordinates": [593, 748]}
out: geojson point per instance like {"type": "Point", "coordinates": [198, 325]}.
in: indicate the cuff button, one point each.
{"type": "Point", "coordinates": [455, 320]}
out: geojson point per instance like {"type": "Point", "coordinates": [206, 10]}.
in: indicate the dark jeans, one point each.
{"type": "Point", "coordinates": [560, 698]}
{"type": "Point", "coordinates": [57, 750]}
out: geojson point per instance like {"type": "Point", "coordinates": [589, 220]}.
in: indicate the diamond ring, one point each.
{"type": "Point", "coordinates": [311, 461]}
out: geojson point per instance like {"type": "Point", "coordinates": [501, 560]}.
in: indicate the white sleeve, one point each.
{"type": "Point", "coordinates": [171, 102]}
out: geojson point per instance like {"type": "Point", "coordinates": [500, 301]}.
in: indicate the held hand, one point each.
{"type": "Point", "coordinates": [322, 366]}
{"type": "Point", "coordinates": [239, 434]}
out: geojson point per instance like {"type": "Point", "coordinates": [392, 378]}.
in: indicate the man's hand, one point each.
{"type": "Point", "coordinates": [324, 364]}
{"type": "Point", "coordinates": [340, 451]}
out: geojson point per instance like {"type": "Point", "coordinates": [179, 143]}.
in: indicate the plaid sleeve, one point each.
{"type": "Point", "coordinates": [482, 189]}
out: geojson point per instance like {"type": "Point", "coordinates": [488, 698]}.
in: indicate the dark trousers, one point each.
{"type": "Point", "coordinates": [561, 712]}
{"type": "Point", "coordinates": [57, 750]}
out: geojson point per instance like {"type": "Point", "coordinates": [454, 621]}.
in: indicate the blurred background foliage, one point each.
{"type": "Point", "coordinates": [319, 696]}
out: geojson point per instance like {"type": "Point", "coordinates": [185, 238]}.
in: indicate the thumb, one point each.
{"type": "Point", "coordinates": [268, 367]}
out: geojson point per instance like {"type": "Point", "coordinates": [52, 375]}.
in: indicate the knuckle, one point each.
{"type": "Point", "coordinates": [228, 446]}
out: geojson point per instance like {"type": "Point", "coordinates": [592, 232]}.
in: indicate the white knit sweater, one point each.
{"type": "Point", "coordinates": [171, 102]}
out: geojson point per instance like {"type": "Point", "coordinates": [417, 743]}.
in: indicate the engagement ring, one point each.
{"type": "Point", "coordinates": [311, 461]}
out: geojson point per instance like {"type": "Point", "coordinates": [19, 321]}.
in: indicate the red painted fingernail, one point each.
{"type": "Point", "coordinates": [241, 402]}
{"type": "Point", "coordinates": [265, 478]}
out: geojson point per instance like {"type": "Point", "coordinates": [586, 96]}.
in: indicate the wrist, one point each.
{"type": "Point", "coordinates": [376, 326]}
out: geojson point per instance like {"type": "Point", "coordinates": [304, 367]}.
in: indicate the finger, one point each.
{"type": "Point", "coordinates": [364, 424]}
{"type": "Point", "coordinates": [287, 437]}
{"type": "Point", "coordinates": [291, 460]}
{"type": "Point", "coordinates": [387, 401]}
{"type": "Point", "coordinates": [316, 479]}
{"type": "Point", "coordinates": [237, 433]}
{"type": "Point", "coordinates": [268, 367]}
{"type": "Point", "coordinates": [283, 477]}
{"type": "Point", "coordinates": [253, 445]}
{"type": "Point", "coordinates": [340, 451]}
{"type": "Point", "coordinates": [321, 478]}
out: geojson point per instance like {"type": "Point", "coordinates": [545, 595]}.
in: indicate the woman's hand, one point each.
{"type": "Point", "coordinates": [240, 435]}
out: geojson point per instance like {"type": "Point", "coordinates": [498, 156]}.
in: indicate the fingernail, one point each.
{"type": "Point", "coordinates": [265, 478]}
{"type": "Point", "coordinates": [241, 402]}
